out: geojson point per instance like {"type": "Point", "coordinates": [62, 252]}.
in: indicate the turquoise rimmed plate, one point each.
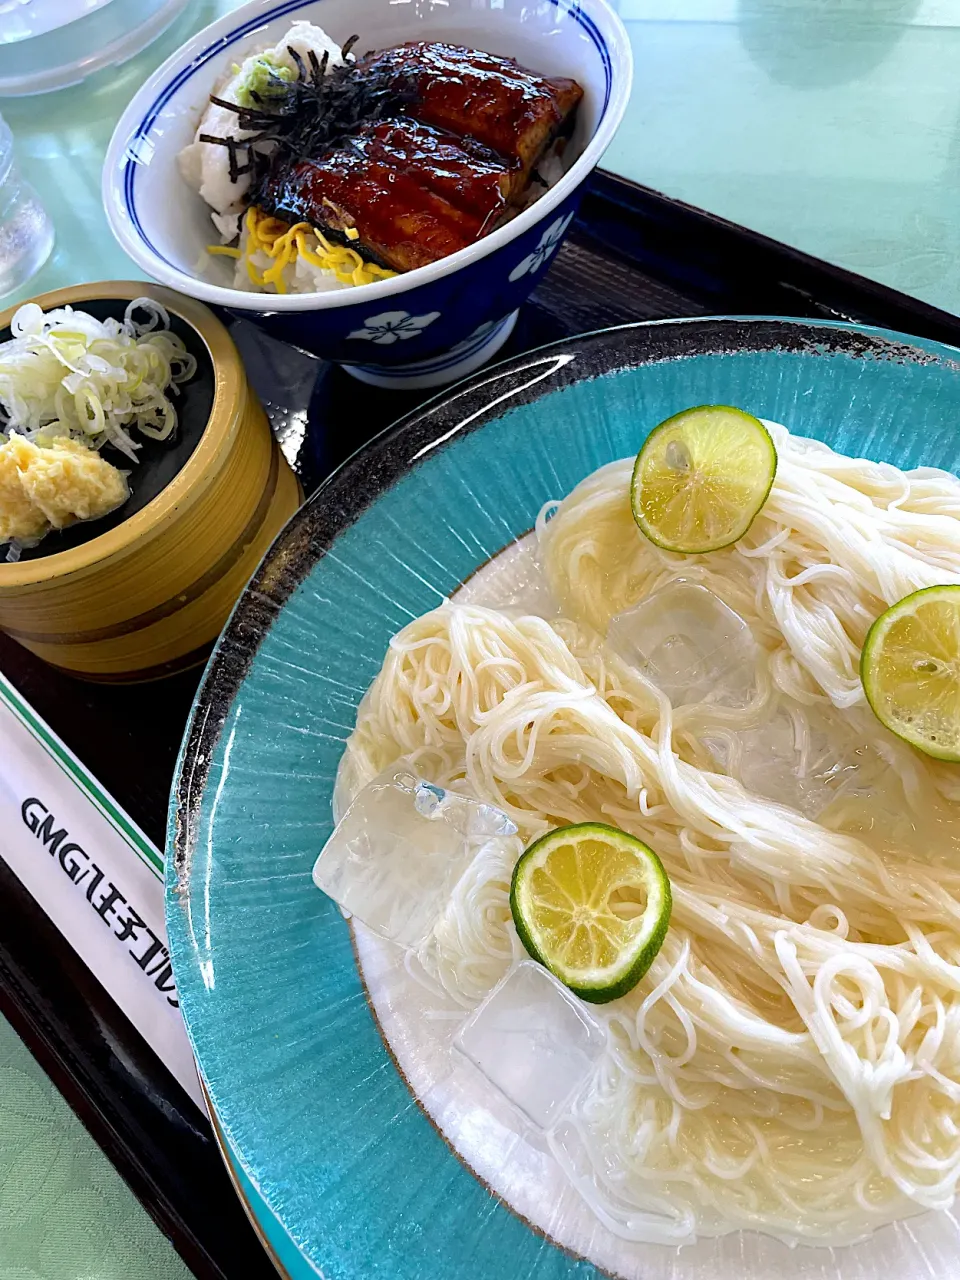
{"type": "Point", "coordinates": [347, 1175]}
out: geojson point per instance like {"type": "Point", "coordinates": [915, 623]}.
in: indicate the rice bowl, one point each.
{"type": "Point", "coordinates": [474, 289]}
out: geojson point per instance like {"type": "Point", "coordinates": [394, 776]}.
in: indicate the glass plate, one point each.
{"type": "Point", "coordinates": [58, 43]}
{"type": "Point", "coordinates": [335, 1151]}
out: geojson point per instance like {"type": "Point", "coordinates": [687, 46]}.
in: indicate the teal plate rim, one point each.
{"type": "Point", "coordinates": [334, 509]}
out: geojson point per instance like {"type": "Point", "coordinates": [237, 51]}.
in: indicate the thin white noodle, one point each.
{"type": "Point", "coordinates": [792, 1058]}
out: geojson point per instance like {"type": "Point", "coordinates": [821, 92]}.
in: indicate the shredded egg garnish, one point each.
{"type": "Point", "coordinates": [284, 244]}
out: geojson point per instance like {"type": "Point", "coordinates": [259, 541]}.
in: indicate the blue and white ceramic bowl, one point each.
{"type": "Point", "coordinates": [420, 329]}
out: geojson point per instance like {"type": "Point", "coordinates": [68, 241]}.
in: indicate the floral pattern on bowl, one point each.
{"type": "Point", "coordinates": [393, 326]}
{"type": "Point", "coordinates": [548, 242]}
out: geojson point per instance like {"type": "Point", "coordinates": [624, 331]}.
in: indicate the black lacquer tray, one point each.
{"type": "Point", "coordinates": [632, 255]}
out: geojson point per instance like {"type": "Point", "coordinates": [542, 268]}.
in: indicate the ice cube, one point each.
{"type": "Point", "coordinates": [395, 857]}
{"type": "Point", "coordinates": [534, 1040]}
{"type": "Point", "coordinates": [513, 581]}
{"type": "Point", "coordinates": [800, 760]}
{"type": "Point", "coordinates": [471, 818]}
{"type": "Point", "coordinates": [690, 644]}
{"type": "Point", "coordinates": [777, 764]}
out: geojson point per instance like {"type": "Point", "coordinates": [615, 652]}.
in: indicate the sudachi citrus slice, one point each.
{"type": "Point", "coordinates": [592, 904]}
{"type": "Point", "coordinates": [910, 670]}
{"type": "Point", "coordinates": [701, 478]}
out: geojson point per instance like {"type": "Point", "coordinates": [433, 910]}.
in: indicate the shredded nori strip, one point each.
{"type": "Point", "coordinates": [309, 115]}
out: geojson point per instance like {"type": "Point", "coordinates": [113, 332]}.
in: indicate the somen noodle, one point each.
{"type": "Point", "coordinates": [791, 1060]}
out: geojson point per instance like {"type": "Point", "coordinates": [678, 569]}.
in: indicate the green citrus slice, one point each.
{"type": "Point", "coordinates": [910, 670]}
{"type": "Point", "coordinates": [701, 478]}
{"type": "Point", "coordinates": [592, 904]}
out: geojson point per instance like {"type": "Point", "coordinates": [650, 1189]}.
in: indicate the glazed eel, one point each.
{"type": "Point", "coordinates": [449, 169]}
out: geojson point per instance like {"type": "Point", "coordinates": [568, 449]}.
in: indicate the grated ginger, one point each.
{"type": "Point", "coordinates": [44, 487]}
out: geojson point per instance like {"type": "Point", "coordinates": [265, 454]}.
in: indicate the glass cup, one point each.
{"type": "Point", "coordinates": [26, 232]}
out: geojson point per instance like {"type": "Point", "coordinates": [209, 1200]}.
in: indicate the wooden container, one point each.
{"type": "Point", "coordinates": [146, 596]}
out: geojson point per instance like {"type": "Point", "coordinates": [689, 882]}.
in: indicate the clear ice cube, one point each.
{"type": "Point", "coordinates": [396, 855]}
{"type": "Point", "coordinates": [690, 644]}
{"type": "Point", "coordinates": [534, 1041]}
{"type": "Point", "coordinates": [514, 581]}
{"type": "Point", "coordinates": [802, 761]}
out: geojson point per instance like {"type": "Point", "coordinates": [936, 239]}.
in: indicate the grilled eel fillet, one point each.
{"type": "Point", "coordinates": [502, 105]}
{"type": "Point", "coordinates": [415, 193]}
{"type": "Point", "coordinates": [422, 185]}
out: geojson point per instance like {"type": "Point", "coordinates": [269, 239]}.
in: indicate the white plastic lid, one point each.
{"type": "Point", "coordinates": [50, 44]}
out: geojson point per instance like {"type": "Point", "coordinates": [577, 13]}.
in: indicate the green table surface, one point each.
{"type": "Point", "coordinates": [833, 125]}
{"type": "Point", "coordinates": [65, 1213]}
